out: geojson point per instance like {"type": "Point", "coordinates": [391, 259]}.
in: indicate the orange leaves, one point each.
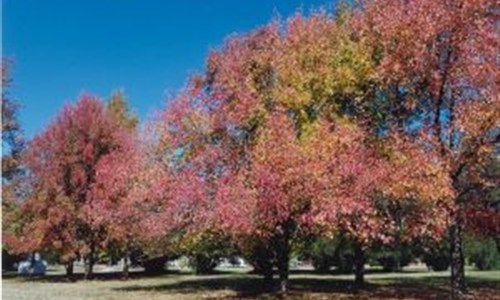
{"type": "Point", "coordinates": [416, 174]}
{"type": "Point", "coordinates": [433, 42]}
{"type": "Point", "coordinates": [477, 118]}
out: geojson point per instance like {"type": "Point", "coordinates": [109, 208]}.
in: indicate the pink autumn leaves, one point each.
{"type": "Point", "coordinates": [277, 133]}
{"type": "Point", "coordinates": [324, 181]}
{"type": "Point", "coordinates": [264, 159]}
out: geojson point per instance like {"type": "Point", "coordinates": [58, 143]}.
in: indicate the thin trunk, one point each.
{"type": "Point", "coordinates": [126, 260]}
{"type": "Point", "coordinates": [458, 286]}
{"type": "Point", "coordinates": [397, 266]}
{"type": "Point", "coordinates": [398, 240]}
{"type": "Point", "coordinates": [69, 268]}
{"type": "Point", "coordinates": [263, 263]}
{"type": "Point", "coordinates": [283, 258]}
{"type": "Point", "coordinates": [267, 271]}
{"type": "Point", "coordinates": [359, 265]}
{"type": "Point", "coordinates": [89, 266]}
{"type": "Point", "coordinates": [125, 266]}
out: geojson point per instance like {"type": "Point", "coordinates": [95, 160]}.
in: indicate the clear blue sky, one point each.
{"type": "Point", "coordinates": [62, 48]}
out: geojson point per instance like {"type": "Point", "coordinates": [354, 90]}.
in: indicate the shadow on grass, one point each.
{"type": "Point", "coordinates": [303, 285]}
{"type": "Point", "coordinates": [337, 272]}
{"type": "Point", "coordinates": [444, 281]}
{"type": "Point", "coordinates": [246, 286]}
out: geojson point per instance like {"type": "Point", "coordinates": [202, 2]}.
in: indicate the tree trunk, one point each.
{"type": "Point", "coordinates": [69, 268]}
{"type": "Point", "coordinates": [359, 265]}
{"type": "Point", "coordinates": [262, 261]}
{"type": "Point", "coordinates": [458, 287]}
{"type": "Point", "coordinates": [282, 260]}
{"type": "Point", "coordinates": [399, 251]}
{"type": "Point", "coordinates": [125, 266]}
{"type": "Point", "coordinates": [268, 275]}
{"type": "Point", "coordinates": [126, 260]}
{"type": "Point", "coordinates": [267, 271]}
{"type": "Point", "coordinates": [89, 266]}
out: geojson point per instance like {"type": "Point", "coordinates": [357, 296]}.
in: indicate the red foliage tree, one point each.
{"type": "Point", "coordinates": [117, 196]}
{"type": "Point", "coordinates": [280, 151]}
{"type": "Point", "coordinates": [13, 177]}
{"type": "Point", "coordinates": [63, 161]}
{"type": "Point", "coordinates": [438, 61]}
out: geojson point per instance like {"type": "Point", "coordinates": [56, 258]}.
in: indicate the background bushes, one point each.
{"type": "Point", "coordinates": [484, 253]}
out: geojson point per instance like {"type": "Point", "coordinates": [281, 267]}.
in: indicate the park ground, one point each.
{"type": "Point", "coordinates": [415, 284]}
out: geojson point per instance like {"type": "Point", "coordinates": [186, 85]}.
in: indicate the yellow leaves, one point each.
{"type": "Point", "coordinates": [309, 129]}
{"type": "Point", "coordinates": [190, 240]}
{"type": "Point", "coordinates": [353, 60]}
{"type": "Point", "coordinates": [315, 65]}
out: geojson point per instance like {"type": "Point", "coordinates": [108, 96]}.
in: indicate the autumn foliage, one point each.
{"type": "Point", "coordinates": [277, 133]}
{"type": "Point", "coordinates": [66, 163]}
{"type": "Point", "coordinates": [376, 124]}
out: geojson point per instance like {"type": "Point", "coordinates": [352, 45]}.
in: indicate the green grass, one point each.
{"type": "Point", "coordinates": [411, 284]}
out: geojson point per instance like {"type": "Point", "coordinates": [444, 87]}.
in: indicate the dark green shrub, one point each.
{"type": "Point", "coordinates": [322, 254]}
{"type": "Point", "coordinates": [344, 261]}
{"type": "Point", "coordinates": [261, 258]}
{"type": "Point", "coordinates": [437, 257]}
{"type": "Point", "coordinates": [437, 262]}
{"type": "Point", "coordinates": [203, 263]}
{"type": "Point", "coordinates": [388, 261]}
{"type": "Point", "coordinates": [155, 265]}
{"type": "Point", "coordinates": [51, 257]}
{"type": "Point", "coordinates": [328, 253]}
{"type": "Point", "coordinates": [388, 257]}
{"type": "Point", "coordinates": [9, 260]}
{"type": "Point", "coordinates": [483, 253]}
{"type": "Point", "coordinates": [206, 249]}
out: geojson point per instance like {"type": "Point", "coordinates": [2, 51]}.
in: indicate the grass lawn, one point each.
{"type": "Point", "coordinates": [411, 284]}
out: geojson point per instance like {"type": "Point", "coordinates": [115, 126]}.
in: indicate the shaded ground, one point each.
{"type": "Point", "coordinates": [417, 285]}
